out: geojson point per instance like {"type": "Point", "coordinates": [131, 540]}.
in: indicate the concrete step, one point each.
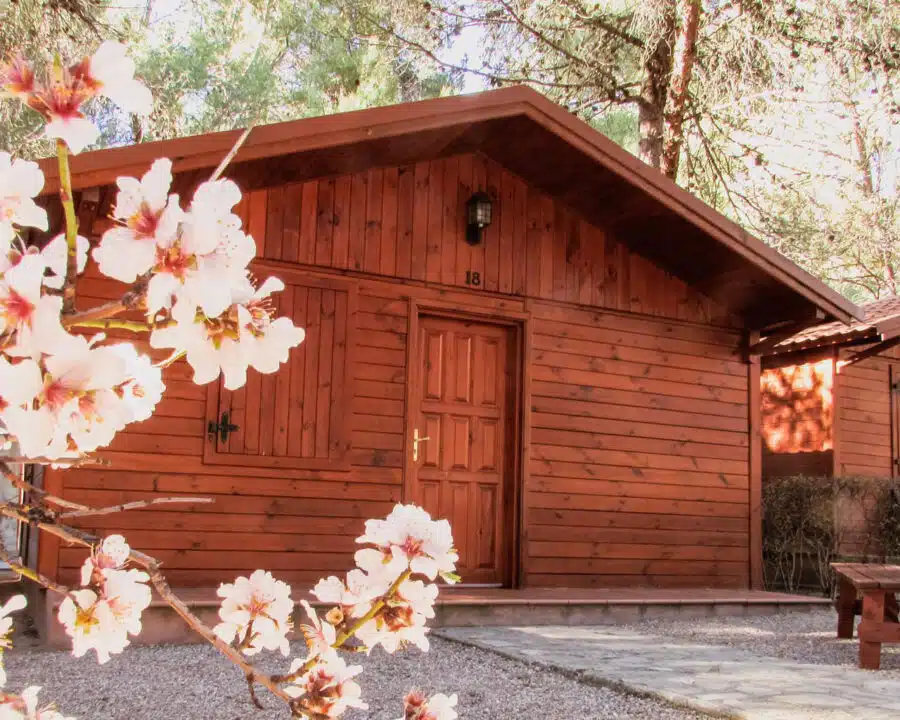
{"type": "Point", "coordinates": [468, 607]}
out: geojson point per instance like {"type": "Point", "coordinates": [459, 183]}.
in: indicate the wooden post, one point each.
{"type": "Point", "coordinates": [872, 624]}
{"type": "Point", "coordinates": [846, 601]}
{"type": "Point", "coordinates": [755, 468]}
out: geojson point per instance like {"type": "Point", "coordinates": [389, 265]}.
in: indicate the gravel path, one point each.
{"type": "Point", "coordinates": [192, 682]}
{"type": "Point", "coordinates": [807, 637]}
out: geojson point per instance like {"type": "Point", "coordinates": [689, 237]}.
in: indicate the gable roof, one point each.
{"type": "Point", "coordinates": [534, 138]}
{"type": "Point", "coordinates": [880, 322]}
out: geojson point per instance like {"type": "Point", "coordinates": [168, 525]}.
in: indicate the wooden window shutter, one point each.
{"type": "Point", "coordinates": [298, 417]}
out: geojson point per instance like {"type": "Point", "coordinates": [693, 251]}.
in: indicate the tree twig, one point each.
{"type": "Point", "coordinates": [40, 494]}
{"type": "Point", "coordinates": [135, 505]}
{"type": "Point", "coordinates": [151, 565]}
{"type": "Point", "coordinates": [32, 575]}
{"type": "Point", "coordinates": [217, 173]}
{"type": "Point", "coordinates": [68, 203]}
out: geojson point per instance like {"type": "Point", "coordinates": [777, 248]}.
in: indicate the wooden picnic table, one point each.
{"type": "Point", "coordinates": [878, 585]}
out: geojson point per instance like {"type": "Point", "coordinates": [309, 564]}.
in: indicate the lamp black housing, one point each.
{"type": "Point", "coordinates": [478, 216]}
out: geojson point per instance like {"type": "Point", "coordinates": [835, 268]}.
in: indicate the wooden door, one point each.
{"type": "Point", "coordinates": [461, 404]}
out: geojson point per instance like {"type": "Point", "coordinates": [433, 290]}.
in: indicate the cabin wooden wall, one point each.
{"type": "Point", "coordinates": [867, 413]}
{"type": "Point", "coordinates": [636, 396]}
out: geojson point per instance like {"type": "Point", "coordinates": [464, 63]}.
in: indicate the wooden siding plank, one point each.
{"type": "Point", "coordinates": [374, 206]}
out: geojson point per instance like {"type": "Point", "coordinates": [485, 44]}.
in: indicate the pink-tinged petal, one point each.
{"type": "Point", "coordinates": [76, 132]}
{"type": "Point", "coordinates": [122, 256]}
{"type": "Point", "coordinates": [55, 255]}
{"type": "Point", "coordinates": [160, 290]}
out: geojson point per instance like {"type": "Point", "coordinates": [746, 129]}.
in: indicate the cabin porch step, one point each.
{"type": "Point", "coordinates": [487, 607]}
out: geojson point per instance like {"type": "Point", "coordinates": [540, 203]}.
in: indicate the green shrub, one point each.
{"type": "Point", "coordinates": [810, 522]}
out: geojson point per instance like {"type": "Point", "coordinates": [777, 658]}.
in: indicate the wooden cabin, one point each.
{"type": "Point", "coordinates": [831, 398]}
{"type": "Point", "coordinates": [574, 387]}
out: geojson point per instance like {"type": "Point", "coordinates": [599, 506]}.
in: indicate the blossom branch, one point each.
{"type": "Point", "coordinates": [75, 536]}
{"type": "Point", "coordinates": [65, 196]}
{"type": "Point", "coordinates": [41, 495]}
{"type": "Point", "coordinates": [134, 326]}
{"type": "Point", "coordinates": [135, 505]}
{"type": "Point", "coordinates": [347, 634]}
{"type": "Point", "coordinates": [32, 575]}
{"type": "Point", "coordinates": [217, 173]}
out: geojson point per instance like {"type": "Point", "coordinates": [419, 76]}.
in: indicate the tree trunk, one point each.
{"type": "Point", "coordinates": [654, 90]}
{"type": "Point", "coordinates": [682, 72]}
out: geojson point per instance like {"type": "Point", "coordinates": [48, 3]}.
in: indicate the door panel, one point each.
{"type": "Point", "coordinates": [461, 406]}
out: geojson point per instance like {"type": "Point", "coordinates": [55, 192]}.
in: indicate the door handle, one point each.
{"type": "Point", "coordinates": [415, 444]}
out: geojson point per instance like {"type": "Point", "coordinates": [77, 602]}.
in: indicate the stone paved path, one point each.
{"type": "Point", "coordinates": [725, 681]}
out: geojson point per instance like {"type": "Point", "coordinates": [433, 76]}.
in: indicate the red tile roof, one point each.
{"type": "Point", "coordinates": [882, 322]}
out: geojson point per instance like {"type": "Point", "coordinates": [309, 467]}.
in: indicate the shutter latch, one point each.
{"type": "Point", "coordinates": [223, 428]}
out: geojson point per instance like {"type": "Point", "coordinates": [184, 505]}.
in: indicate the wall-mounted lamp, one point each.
{"type": "Point", "coordinates": [478, 217]}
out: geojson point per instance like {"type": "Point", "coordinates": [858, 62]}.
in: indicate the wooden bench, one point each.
{"type": "Point", "coordinates": [877, 584]}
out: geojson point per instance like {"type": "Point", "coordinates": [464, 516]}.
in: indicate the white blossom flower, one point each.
{"type": "Point", "coordinates": [16, 78]}
{"type": "Point", "coordinates": [78, 406]}
{"type": "Point", "coordinates": [61, 104]}
{"type": "Point", "coordinates": [403, 619]}
{"type": "Point", "coordinates": [319, 636]}
{"type": "Point", "coordinates": [111, 554]}
{"type": "Point", "coordinates": [144, 387]}
{"type": "Point", "coordinates": [354, 596]}
{"type": "Point", "coordinates": [110, 72]}
{"type": "Point", "coordinates": [25, 707]}
{"type": "Point", "coordinates": [327, 690]}
{"type": "Point", "coordinates": [207, 262]}
{"type": "Point", "coordinates": [19, 383]}
{"type": "Point", "coordinates": [259, 605]}
{"type": "Point", "coordinates": [56, 257]}
{"type": "Point", "coordinates": [92, 625]}
{"type": "Point", "coordinates": [149, 218]}
{"type": "Point", "coordinates": [20, 183]}
{"type": "Point", "coordinates": [127, 594]}
{"type": "Point", "coordinates": [244, 336]}
{"type": "Point", "coordinates": [437, 707]}
{"type": "Point", "coordinates": [409, 534]}
{"type": "Point", "coordinates": [35, 319]}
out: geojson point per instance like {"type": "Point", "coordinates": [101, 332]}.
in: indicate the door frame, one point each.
{"type": "Point", "coordinates": [517, 461]}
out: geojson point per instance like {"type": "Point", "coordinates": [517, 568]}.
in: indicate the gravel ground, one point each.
{"type": "Point", "coordinates": [808, 637]}
{"type": "Point", "coordinates": [193, 682]}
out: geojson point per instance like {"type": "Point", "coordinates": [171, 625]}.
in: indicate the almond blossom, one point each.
{"type": "Point", "coordinates": [78, 407]}
{"type": "Point", "coordinates": [91, 623]}
{"type": "Point", "coordinates": [20, 183]}
{"type": "Point", "coordinates": [20, 382]}
{"type": "Point", "coordinates": [207, 262]}
{"type": "Point", "coordinates": [149, 219]}
{"type": "Point", "coordinates": [25, 707]}
{"type": "Point", "coordinates": [438, 707]}
{"type": "Point", "coordinates": [16, 78]}
{"type": "Point", "coordinates": [354, 596]}
{"type": "Point", "coordinates": [319, 636]}
{"type": "Point", "coordinates": [56, 257]}
{"type": "Point", "coordinates": [409, 535]}
{"type": "Point", "coordinates": [256, 612]}
{"type": "Point", "coordinates": [402, 620]}
{"type": "Point", "coordinates": [327, 690]}
{"type": "Point", "coordinates": [62, 105]}
{"type": "Point", "coordinates": [34, 318]}
{"type": "Point", "coordinates": [110, 72]}
{"type": "Point", "coordinates": [144, 387]}
{"type": "Point", "coordinates": [243, 336]}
